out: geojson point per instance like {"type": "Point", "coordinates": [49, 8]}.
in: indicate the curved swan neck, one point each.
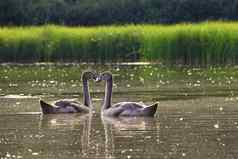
{"type": "Point", "coordinates": [108, 94]}
{"type": "Point", "coordinates": [86, 95]}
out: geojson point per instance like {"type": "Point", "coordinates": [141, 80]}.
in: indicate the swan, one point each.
{"type": "Point", "coordinates": [129, 109]}
{"type": "Point", "coordinates": [71, 105]}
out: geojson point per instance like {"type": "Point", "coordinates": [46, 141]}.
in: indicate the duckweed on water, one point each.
{"type": "Point", "coordinates": [60, 79]}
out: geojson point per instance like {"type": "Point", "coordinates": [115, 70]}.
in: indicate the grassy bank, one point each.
{"type": "Point", "coordinates": [192, 44]}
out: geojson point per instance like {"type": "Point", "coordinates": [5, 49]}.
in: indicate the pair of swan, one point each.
{"type": "Point", "coordinates": [119, 109]}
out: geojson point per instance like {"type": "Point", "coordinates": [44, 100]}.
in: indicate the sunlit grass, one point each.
{"type": "Point", "coordinates": [205, 43]}
{"type": "Point", "coordinates": [190, 44]}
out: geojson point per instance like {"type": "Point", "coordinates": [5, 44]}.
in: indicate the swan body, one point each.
{"type": "Point", "coordinates": [63, 106]}
{"type": "Point", "coordinates": [130, 109]}
{"type": "Point", "coordinates": [123, 108]}
{"type": "Point", "coordinates": [71, 105]}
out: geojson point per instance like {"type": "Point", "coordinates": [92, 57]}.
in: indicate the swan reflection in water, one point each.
{"type": "Point", "coordinates": [129, 123]}
{"type": "Point", "coordinates": [95, 136]}
{"type": "Point", "coordinates": [62, 121]}
{"type": "Point", "coordinates": [130, 136]}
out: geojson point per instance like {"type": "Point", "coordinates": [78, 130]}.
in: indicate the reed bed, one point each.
{"type": "Point", "coordinates": [209, 43]}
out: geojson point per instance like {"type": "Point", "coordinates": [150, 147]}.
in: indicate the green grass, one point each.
{"type": "Point", "coordinates": [209, 43]}
{"type": "Point", "coordinates": [201, 44]}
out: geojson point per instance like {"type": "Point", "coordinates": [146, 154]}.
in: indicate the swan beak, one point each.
{"type": "Point", "coordinates": [98, 79]}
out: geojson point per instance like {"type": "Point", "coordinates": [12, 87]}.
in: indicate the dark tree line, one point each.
{"type": "Point", "coordinates": [100, 12]}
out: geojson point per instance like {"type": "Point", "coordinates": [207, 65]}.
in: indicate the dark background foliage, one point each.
{"type": "Point", "coordinates": [103, 12]}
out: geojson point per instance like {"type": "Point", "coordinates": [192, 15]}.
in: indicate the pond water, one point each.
{"type": "Point", "coordinates": [197, 115]}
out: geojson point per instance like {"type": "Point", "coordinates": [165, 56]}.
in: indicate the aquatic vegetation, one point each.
{"type": "Point", "coordinates": [61, 79]}
{"type": "Point", "coordinates": [67, 44]}
{"type": "Point", "coordinates": [209, 43]}
{"type": "Point", "coordinates": [192, 44]}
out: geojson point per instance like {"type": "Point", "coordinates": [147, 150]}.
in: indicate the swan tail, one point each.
{"type": "Point", "coordinates": [151, 110]}
{"type": "Point", "coordinates": [46, 108]}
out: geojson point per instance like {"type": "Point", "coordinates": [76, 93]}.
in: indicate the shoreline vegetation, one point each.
{"type": "Point", "coordinates": [202, 44]}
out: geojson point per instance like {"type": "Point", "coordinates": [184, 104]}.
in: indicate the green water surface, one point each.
{"type": "Point", "coordinates": [197, 115]}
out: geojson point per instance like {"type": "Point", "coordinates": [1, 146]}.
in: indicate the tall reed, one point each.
{"type": "Point", "coordinates": [190, 44]}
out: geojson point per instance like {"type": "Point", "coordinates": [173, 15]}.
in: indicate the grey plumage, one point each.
{"type": "Point", "coordinates": [69, 105]}
{"type": "Point", "coordinates": [123, 108]}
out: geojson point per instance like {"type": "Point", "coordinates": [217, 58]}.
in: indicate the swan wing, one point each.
{"type": "Point", "coordinates": [71, 105]}
{"type": "Point", "coordinates": [128, 105]}
{"type": "Point", "coordinates": [131, 109]}
{"type": "Point", "coordinates": [124, 109]}
{"type": "Point", "coordinates": [67, 102]}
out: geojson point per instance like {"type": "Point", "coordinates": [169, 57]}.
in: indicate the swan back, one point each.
{"type": "Point", "coordinates": [63, 106]}
{"type": "Point", "coordinates": [131, 109]}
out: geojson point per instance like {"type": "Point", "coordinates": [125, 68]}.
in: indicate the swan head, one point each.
{"type": "Point", "coordinates": [88, 75]}
{"type": "Point", "coordinates": [104, 76]}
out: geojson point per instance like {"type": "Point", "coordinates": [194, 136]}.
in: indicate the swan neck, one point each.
{"type": "Point", "coordinates": [86, 95]}
{"type": "Point", "coordinates": [108, 94]}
